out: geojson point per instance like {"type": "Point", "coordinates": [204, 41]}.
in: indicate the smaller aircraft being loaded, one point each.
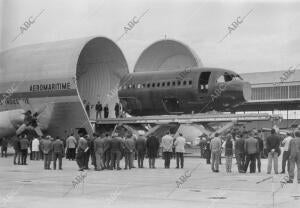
{"type": "Point", "coordinates": [167, 99]}
{"type": "Point", "coordinates": [195, 90]}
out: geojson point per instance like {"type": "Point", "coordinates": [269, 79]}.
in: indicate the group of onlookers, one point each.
{"type": "Point", "coordinates": [45, 148]}
{"type": "Point", "coordinates": [107, 150]}
{"type": "Point", "coordinates": [248, 148]}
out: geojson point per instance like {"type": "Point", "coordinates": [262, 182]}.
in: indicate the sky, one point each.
{"type": "Point", "coordinates": [268, 38]}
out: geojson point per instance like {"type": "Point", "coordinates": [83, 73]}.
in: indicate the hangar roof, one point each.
{"type": "Point", "coordinates": [271, 76]}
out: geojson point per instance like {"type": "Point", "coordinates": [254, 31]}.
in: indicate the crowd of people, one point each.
{"type": "Point", "coordinates": [106, 150]}
{"type": "Point", "coordinates": [249, 147]}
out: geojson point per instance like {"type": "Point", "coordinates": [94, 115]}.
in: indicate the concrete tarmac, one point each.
{"type": "Point", "coordinates": [33, 187]}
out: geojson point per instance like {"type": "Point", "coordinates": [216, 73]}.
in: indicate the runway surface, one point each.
{"type": "Point", "coordinates": [33, 187]}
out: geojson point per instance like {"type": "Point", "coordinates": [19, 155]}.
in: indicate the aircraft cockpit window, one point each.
{"type": "Point", "coordinates": [228, 77]}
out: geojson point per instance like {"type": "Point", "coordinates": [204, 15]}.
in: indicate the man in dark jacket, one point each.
{"type": "Point", "coordinates": [99, 109]}
{"type": "Point", "coordinates": [273, 143]}
{"type": "Point", "coordinates": [24, 144]}
{"type": "Point", "coordinates": [106, 156]}
{"type": "Point", "coordinates": [17, 148]}
{"type": "Point", "coordinates": [259, 151]}
{"type": "Point", "coordinates": [106, 111]}
{"type": "Point", "coordinates": [152, 145]}
{"type": "Point", "coordinates": [129, 150]}
{"type": "Point", "coordinates": [58, 153]}
{"type": "Point", "coordinates": [251, 150]}
{"type": "Point", "coordinates": [207, 150]}
{"type": "Point", "coordinates": [116, 148]}
{"type": "Point", "coordinates": [99, 153]}
{"type": "Point", "coordinates": [92, 149]}
{"type": "Point", "coordinates": [4, 144]}
{"type": "Point", "coordinates": [117, 110]}
{"type": "Point", "coordinates": [240, 153]}
{"type": "Point", "coordinates": [140, 147]}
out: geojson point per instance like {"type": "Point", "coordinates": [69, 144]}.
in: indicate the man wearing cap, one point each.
{"type": "Point", "coordinates": [273, 143]}
{"type": "Point", "coordinates": [140, 147]}
{"type": "Point", "coordinates": [294, 149]}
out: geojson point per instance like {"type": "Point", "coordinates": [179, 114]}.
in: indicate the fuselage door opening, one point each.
{"type": "Point", "coordinates": [203, 83]}
{"type": "Point", "coordinates": [130, 103]}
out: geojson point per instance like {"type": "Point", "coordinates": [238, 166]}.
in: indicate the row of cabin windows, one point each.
{"type": "Point", "coordinates": [159, 84]}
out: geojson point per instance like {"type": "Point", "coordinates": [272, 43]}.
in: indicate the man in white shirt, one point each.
{"type": "Point", "coordinates": [179, 149]}
{"type": "Point", "coordinates": [285, 156]}
{"type": "Point", "coordinates": [71, 147]}
{"type": "Point", "coordinates": [35, 148]}
{"type": "Point", "coordinates": [167, 144]}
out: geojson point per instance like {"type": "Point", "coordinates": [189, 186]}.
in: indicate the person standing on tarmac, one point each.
{"type": "Point", "coordinates": [106, 159]}
{"type": "Point", "coordinates": [116, 145]}
{"type": "Point", "coordinates": [215, 146]}
{"type": "Point", "coordinates": [167, 145]}
{"type": "Point", "coordinates": [140, 146]}
{"type": "Point", "coordinates": [129, 150]}
{"type": "Point", "coordinates": [80, 156]}
{"type": "Point", "coordinates": [179, 148]}
{"type": "Point", "coordinates": [99, 153]}
{"type": "Point", "coordinates": [58, 153]}
{"type": "Point", "coordinates": [152, 145]}
{"type": "Point", "coordinates": [46, 146]}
